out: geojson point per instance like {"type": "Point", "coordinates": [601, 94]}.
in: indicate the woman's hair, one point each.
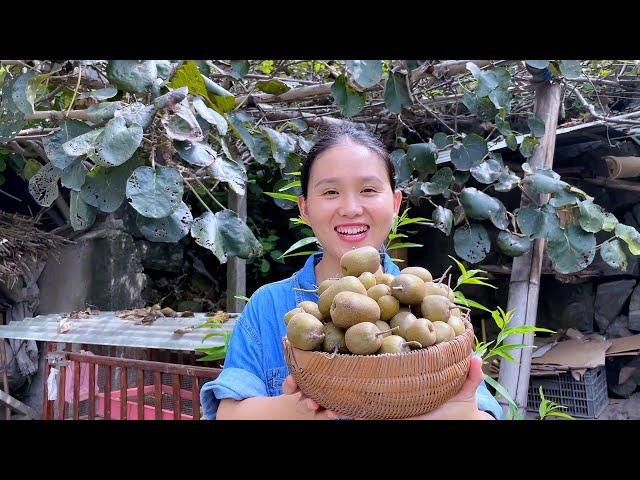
{"type": "Point", "coordinates": [335, 136]}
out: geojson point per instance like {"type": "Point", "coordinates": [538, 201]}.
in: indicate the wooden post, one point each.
{"type": "Point", "coordinates": [237, 267]}
{"type": "Point", "coordinates": [524, 286]}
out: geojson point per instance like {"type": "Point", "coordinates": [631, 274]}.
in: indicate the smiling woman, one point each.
{"type": "Point", "coordinates": [349, 199]}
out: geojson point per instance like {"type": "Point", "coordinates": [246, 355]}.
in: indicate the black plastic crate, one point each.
{"type": "Point", "coordinates": [585, 398]}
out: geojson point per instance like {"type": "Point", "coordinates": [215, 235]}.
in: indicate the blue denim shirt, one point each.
{"type": "Point", "coordinates": [255, 365]}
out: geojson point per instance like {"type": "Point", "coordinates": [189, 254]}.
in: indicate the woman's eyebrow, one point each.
{"type": "Point", "coordinates": [367, 178]}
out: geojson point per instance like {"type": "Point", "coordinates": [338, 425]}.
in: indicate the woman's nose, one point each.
{"type": "Point", "coordinates": [350, 207]}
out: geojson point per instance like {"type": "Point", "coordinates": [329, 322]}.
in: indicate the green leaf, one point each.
{"type": "Point", "coordinates": [440, 182]}
{"type": "Point", "coordinates": [536, 126]}
{"type": "Point", "coordinates": [402, 166]}
{"type": "Point", "coordinates": [462, 300]}
{"type": "Point", "coordinates": [528, 145]}
{"type": "Point", "coordinates": [512, 142]}
{"type": "Point", "coordinates": [239, 68]}
{"type": "Point", "coordinates": [101, 112]}
{"type": "Point", "coordinates": [348, 99]}
{"type": "Point", "coordinates": [210, 115]}
{"type": "Point", "coordinates": [480, 206]}
{"type": "Point", "coordinates": [570, 68]}
{"type": "Point", "coordinates": [73, 176]}
{"type": "Point", "coordinates": [155, 193]}
{"type": "Point", "coordinates": [502, 125]}
{"type": "Point", "coordinates": [295, 183]}
{"type": "Point", "coordinates": [200, 153]}
{"type": "Point", "coordinates": [116, 143]}
{"type": "Point", "coordinates": [43, 186]}
{"type": "Point", "coordinates": [613, 254]}
{"type": "Point", "coordinates": [609, 222]}
{"type": "Point", "coordinates": [20, 93]}
{"type": "Point", "coordinates": [631, 237]}
{"type": "Point", "coordinates": [366, 73]}
{"type": "Point", "coordinates": [543, 182]}
{"type": "Point", "coordinates": [282, 145]}
{"type": "Point", "coordinates": [500, 390]}
{"type": "Point", "coordinates": [132, 75]}
{"type": "Point", "coordinates": [30, 168]}
{"type": "Point", "coordinates": [52, 144]}
{"type": "Point", "coordinates": [469, 153]}
{"type": "Point", "coordinates": [168, 229]}
{"type": "Point", "coordinates": [299, 244]}
{"type": "Point", "coordinates": [471, 242]}
{"type": "Point", "coordinates": [284, 196]}
{"type": "Point", "coordinates": [182, 125]}
{"type": "Point", "coordinates": [137, 113]}
{"type": "Point", "coordinates": [487, 80]}
{"type": "Point", "coordinates": [563, 198]}
{"type": "Point", "coordinates": [81, 214]}
{"type": "Point", "coordinates": [573, 251]}
{"type": "Point", "coordinates": [272, 86]}
{"type": "Point", "coordinates": [396, 246]}
{"type": "Point", "coordinates": [169, 99]}
{"type": "Point", "coordinates": [513, 245]}
{"type": "Point", "coordinates": [257, 146]}
{"type": "Point", "coordinates": [100, 94]}
{"type": "Point", "coordinates": [591, 216]}
{"type": "Point", "coordinates": [188, 75]}
{"type": "Point", "coordinates": [230, 172]}
{"type": "Point", "coordinates": [507, 181]}
{"type": "Point", "coordinates": [441, 140]}
{"type": "Point", "coordinates": [488, 171]}
{"type": "Point", "coordinates": [539, 64]}
{"type": "Point", "coordinates": [482, 107]}
{"type": "Point", "coordinates": [443, 219]}
{"type": "Point", "coordinates": [422, 157]}
{"type": "Point", "coordinates": [538, 222]}
{"type": "Point", "coordinates": [11, 118]}
{"type": "Point", "coordinates": [396, 94]}
{"type": "Point", "coordinates": [225, 234]}
{"type": "Point", "coordinates": [500, 98]}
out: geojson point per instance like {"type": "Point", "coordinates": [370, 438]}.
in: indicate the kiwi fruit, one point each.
{"type": "Point", "coordinates": [444, 332]}
{"type": "Point", "coordinates": [368, 279]}
{"type": "Point", "coordinates": [441, 289]}
{"type": "Point", "coordinates": [408, 288]}
{"type": "Point", "coordinates": [457, 324]}
{"type": "Point", "coordinates": [291, 313]}
{"type": "Point", "coordinates": [350, 308]}
{"type": "Point", "coordinates": [396, 344]}
{"type": "Point", "coordinates": [385, 279]}
{"type": "Point", "coordinates": [305, 331]}
{"type": "Point", "coordinates": [312, 308]}
{"type": "Point", "coordinates": [363, 338]}
{"type": "Point", "coordinates": [389, 306]}
{"type": "Point", "coordinates": [325, 284]}
{"type": "Point", "coordinates": [333, 339]}
{"type": "Point", "coordinates": [384, 328]}
{"type": "Point", "coordinates": [344, 284]}
{"type": "Point", "coordinates": [436, 308]}
{"type": "Point", "coordinates": [378, 291]}
{"type": "Point", "coordinates": [422, 331]}
{"type": "Point", "coordinates": [421, 272]}
{"type": "Point", "coordinates": [402, 320]}
{"type": "Point", "coordinates": [360, 260]}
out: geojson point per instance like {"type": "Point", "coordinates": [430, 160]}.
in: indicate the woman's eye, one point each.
{"type": "Point", "coordinates": [369, 190]}
{"type": "Point", "coordinates": [330, 192]}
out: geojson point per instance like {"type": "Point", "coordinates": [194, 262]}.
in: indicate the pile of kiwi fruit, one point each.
{"type": "Point", "coordinates": [368, 313]}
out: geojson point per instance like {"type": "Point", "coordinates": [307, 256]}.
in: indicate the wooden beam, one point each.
{"type": "Point", "coordinates": [524, 286]}
{"type": "Point", "coordinates": [18, 406]}
{"type": "Point", "coordinates": [237, 267]}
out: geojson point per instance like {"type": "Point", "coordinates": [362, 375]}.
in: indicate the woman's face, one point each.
{"type": "Point", "coordinates": [349, 200]}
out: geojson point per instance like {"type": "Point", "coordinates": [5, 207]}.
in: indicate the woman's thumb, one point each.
{"type": "Point", "coordinates": [474, 377]}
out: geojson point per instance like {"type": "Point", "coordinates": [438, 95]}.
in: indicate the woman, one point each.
{"type": "Point", "coordinates": [349, 199]}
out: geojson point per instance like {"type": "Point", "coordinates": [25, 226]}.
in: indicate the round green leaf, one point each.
{"type": "Point", "coordinates": [422, 157]}
{"type": "Point", "coordinates": [52, 144]}
{"type": "Point", "coordinates": [536, 126]}
{"type": "Point", "coordinates": [609, 222]}
{"type": "Point", "coordinates": [257, 146]}
{"type": "Point", "coordinates": [20, 94]}
{"type": "Point", "coordinates": [210, 115]}
{"type": "Point", "coordinates": [471, 242]}
{"type": "Point", "coordinates": [591, 216]}
{"type": "Point", "coordinates": [138, 113]}
{"type": "Point", "coordinates": [282, 145]}
{"type": "Point", "coordinates": [200, 154]}
{"type": "Point", "coordinates": [441, 140]}
{"type": "Point", "coordinates": [440, 182]}
{"type": "Point", "coordinates": [30, 168]}
{"type": "Point", "coordinates": [487, 80]}
{"type": "Point", "coordinates": [168, 100]}
{"type": "Point", "coordinates": [348, 99]}
{"type": "Point", "coordinates": [570, 68]}
{"type": "Point", "coordinates": [182, 125]}
{"type": "Point", "coordinates": [205, 232]}
{"type": "Point", "coordinates": [272, 86]}
{"type": "Point", "coordinates": [230, 172]}
{"type": "Point", "coordinates": [469, 153]}
{"type": "Point", "coordinates": [543, 182]}
{"type": "Point", "coordinates": [513, 245]}
{"type": "Point", "coordinates": [168, 229]}
{"type": "Point", "coordinates": [104, 188]}
{"type": "Point", "coordinates": [538, 222]}
{"type": "Point", "coordinates": [101, 112]}
{"type": "Point", "coordinates": [396, 94]}
{"type": "Point", "coordinates": [613, 254]}
{"type": "Point", "coordinates": [488, 171]}
{"type": "Point", "coordinates": [563, 198]}
{"type": "Point", "coordinates": [74, 175]}
{"type": "Point", "coordinates": [100, 94]}
{"type": "Point", "coordinates": [631, 237]}
{"type": "Point", "coordinates": [366, 73]}
{"type": "Point", "coordinates": [528, 145]}
{"type": "Point", "coordinates": [511, 141]}
{"type": "Point", "coordinates": [43, 186]}
{"type": "Point", "coordinates": [572, 251]}
{"type": "Point", "coordinates": [443, 219]}
{"type": "Point", "coordinates": [83, 144]}
{"type": "Point", "coordinates": [540, 64]}
{"type": "Point", "coordinates": [507, 181]}
{"type": "Point", "coordinates": [117, 143]}
{"type": "Point", "coordinates": [480, 206]}
{"type": "Point", "coordinates": [132, 75]}
{"type": "Point", "coordinates": [239, 68]}
{"type": "Point", "coordinates": [155, 193]}
{"type": "Point", "coordinates": [402, 166]}
{"type": "Point", "coordinates": [11, 118]}
{"type": "Point", "coordinates": [81, 214]}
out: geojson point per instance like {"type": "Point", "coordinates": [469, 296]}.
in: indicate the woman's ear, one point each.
{"type": "Point", "coordinates": [397, 201]}
{"type": "Point", "coordinates": [302, 206]}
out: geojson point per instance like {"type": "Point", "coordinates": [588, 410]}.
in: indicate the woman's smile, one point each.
{"type": "Point", "coordinates": [352, 232]}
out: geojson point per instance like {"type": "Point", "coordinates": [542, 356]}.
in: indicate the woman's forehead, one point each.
{"type": "Point", "coordinates": [345, 159]}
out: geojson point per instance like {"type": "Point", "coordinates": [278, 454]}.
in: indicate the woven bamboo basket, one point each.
{"type": "Point", "coordinates": [388, 386]}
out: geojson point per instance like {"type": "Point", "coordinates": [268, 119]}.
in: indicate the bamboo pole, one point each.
{"type": "Point", "coordinates": [524, 286]}
{"type": "Point", "coordinates": [237, 267]}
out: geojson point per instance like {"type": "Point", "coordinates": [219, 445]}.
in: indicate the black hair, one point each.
{"type": "Point", "coordinates": [336, 135]}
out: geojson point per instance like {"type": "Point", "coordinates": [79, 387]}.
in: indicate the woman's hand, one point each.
{"type": "Point", "coordinates": [306, 405]}
{"type": "Point", "coordinates": [463, 405]}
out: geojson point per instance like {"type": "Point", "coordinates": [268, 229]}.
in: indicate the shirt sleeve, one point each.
{"type": "Point", "coordinates": [487, 402]}
{"type": "Point", "coordinates": [242, 376]}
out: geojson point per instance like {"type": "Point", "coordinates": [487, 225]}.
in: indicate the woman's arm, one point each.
{"type": "Point", "coordinates": [281, 407]}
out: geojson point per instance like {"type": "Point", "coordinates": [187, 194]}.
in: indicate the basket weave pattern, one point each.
{"type": "Point", "coordinates": [389, 386]}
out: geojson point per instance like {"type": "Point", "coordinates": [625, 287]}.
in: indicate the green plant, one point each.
{"type": "Point", "coordinates": [548, 408]}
